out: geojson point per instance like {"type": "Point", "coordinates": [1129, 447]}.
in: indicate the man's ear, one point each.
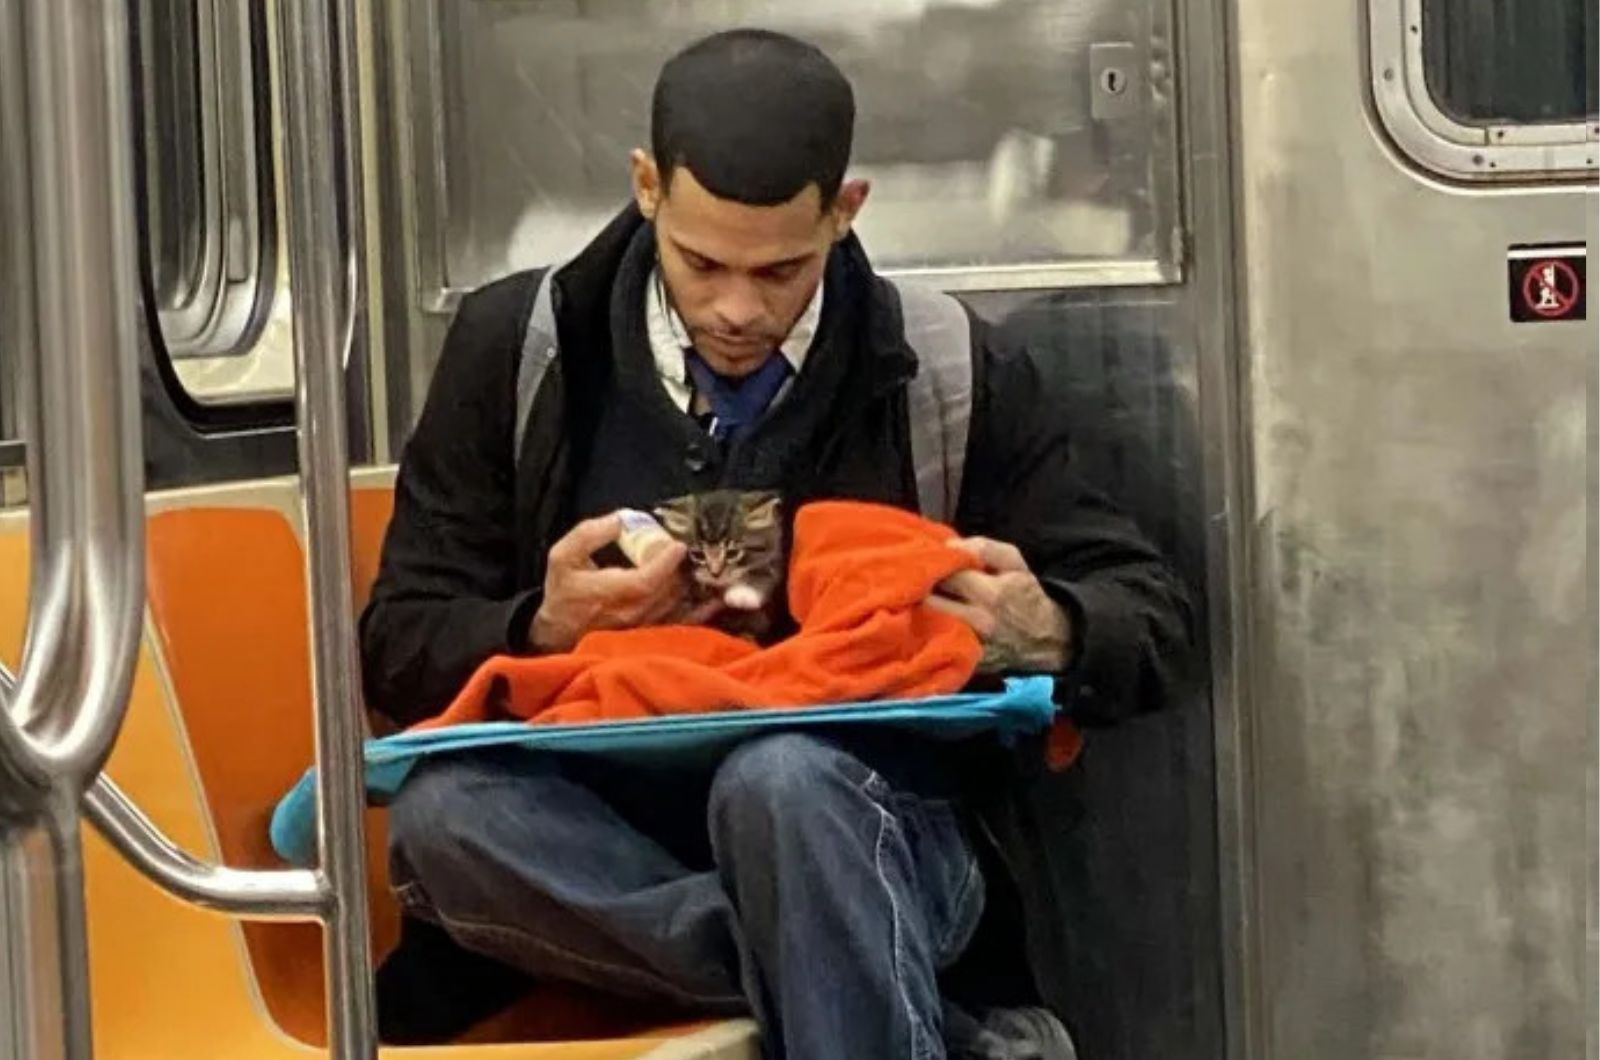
{"type": "Point", "coordinates": [847, 204]}
{"type": "Point", "coordinates": [646, 182]}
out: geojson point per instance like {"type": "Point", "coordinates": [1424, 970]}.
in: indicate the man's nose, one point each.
{"type": "Point", "coordinates": [738, 305]}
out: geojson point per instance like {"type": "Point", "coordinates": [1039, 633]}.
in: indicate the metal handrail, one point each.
{"type": "Point", "coordinates": [85, 466]}
{"type": "Point", "coordinates": [86, 606]}
{"type": "Point", "coordinates": [86, 463]}
{"type": "Point", "coordinates": [327, 290]}
{"type": "Point", "coordinates": [318, 48]}
{"type": "Point", "coordinates": [268, 894]}
{"type": "Point", "coordinates": [16, 323]}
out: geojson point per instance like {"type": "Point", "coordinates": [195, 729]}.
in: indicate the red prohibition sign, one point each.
{"type": "Point", "coordinates": [1550, 288]}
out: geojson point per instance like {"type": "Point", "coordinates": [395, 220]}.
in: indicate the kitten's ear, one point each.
{"type": "Point", "coordinates": [674, 520]}
{"type": "Point", "coordinates": [763, 516]}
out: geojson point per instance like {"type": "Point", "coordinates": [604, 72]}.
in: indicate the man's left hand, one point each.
{"type": "Point", "coordinates": [1021, 628]}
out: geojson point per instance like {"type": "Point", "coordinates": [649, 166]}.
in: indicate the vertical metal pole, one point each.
{"type": "Point", "coordinates": [319, 267]}
{"type": "Point", "coordinates": [71, 908]}
{"type": "Point", "coordinates": [16, 272]}
{"type": "Point", "coordinates": [58, 723]}
{"type": "Point", "coordinates": [21, 862]}
{"type": "Point", "coordinates": [34, 1010]}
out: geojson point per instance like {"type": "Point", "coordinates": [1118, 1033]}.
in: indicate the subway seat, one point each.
{"type": "Point", "coordinates": [219, 726]}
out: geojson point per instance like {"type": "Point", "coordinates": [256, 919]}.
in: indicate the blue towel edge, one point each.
{"type": "Point", "coordinates": [293, 829]}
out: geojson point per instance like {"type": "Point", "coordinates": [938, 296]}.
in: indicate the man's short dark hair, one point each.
{"type": "Point", "coordinates": [756, 116]}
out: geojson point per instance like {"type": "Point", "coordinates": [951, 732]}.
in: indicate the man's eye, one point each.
{"type": "Point", "coordinates": [781, 273]}
{"type": "Point", "coordinates": [701, 265]}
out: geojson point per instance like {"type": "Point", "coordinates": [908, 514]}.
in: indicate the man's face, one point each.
{"type": "Point", "coordinates": [740, 276]}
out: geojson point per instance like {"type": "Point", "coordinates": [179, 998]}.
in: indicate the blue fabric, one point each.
{"type": "Point", "coordinates": [736, 404]}
{"type": "Point", "coordinates": [1025, 706]}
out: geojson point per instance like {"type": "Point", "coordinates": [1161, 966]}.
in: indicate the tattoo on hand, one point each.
{"type": "Point", "coordinates": [1031, 632]}
{"type": "Point", "coordinates": [1022, 629]}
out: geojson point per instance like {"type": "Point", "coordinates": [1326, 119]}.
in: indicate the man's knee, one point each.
{"type": "Point", "coordinates": [440, 812]}
{"type": "Point", "coordinates": [424, 812]}
{"type": "Point", "coordinates": [778, 785]}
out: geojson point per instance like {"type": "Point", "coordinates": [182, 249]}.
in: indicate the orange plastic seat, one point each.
{"type": "Point", "coordinates": [228, 600]}
{"type": "Point", "coordinates": [234, 635]}
{"type": "Point", "coordinates": [219, 726]}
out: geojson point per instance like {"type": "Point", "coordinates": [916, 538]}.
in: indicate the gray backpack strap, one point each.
{"type": "Point", "coordinates": [939, 331]}
{"type": "Point", "coordinates": [538, 352]}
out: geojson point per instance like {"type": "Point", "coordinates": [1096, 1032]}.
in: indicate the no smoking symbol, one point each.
{"type": "Point", "coordinates": [1551, 288]}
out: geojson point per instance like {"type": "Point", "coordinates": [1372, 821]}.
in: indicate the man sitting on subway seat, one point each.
{"type": "Point", "coordinates": [847, 893]}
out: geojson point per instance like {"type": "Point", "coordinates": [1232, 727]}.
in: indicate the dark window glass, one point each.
{"type": "Point", "coordinates": [1525, 61]}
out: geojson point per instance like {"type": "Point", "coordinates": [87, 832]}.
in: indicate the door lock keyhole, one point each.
{"type": "Point", "coordinates": [1113, 80]}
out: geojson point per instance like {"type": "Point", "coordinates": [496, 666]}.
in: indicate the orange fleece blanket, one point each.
{"type": "Point", "coordinates": [858, 579]}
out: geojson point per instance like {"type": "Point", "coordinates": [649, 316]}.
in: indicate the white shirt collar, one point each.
{"type": "Point", "coordinates": [669, 338]}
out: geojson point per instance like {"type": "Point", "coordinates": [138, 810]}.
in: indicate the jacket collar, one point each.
{"type": "Point", "coordinates": [582, 291]}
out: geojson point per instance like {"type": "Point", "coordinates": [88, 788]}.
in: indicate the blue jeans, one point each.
{"type": "Point", "coordinates": [798, 882]}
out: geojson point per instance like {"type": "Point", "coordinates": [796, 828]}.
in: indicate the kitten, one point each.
{"type": "Point", "coordinates": [735, 543]}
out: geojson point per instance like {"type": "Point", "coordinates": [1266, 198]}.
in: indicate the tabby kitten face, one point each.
{"type": "Point", "coordinates": [734, 539]}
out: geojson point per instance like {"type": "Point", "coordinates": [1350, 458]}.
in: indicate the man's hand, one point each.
{"type": "Point", "coordinates": [580, 597]}
{"type": "Point", "coordinates": [1022, 629]}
